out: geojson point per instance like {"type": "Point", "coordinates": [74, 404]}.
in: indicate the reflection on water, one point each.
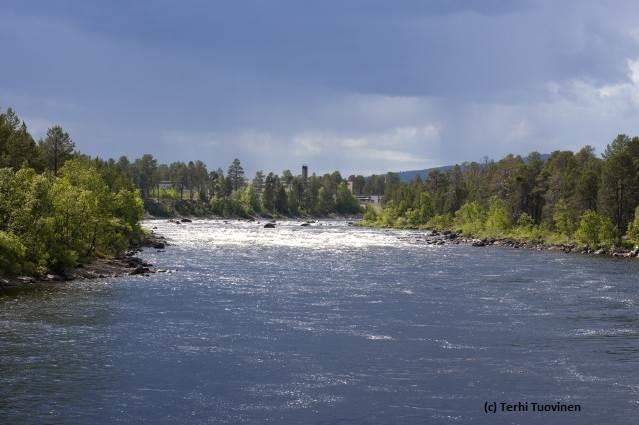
{"type": "Point", "coordinates": [324, 324]}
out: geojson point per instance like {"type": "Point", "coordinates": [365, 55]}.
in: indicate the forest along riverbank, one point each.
{"type": "Point", "coordinates": [443, 237]}
{"type": "Point", "coordinates": [127, 263]}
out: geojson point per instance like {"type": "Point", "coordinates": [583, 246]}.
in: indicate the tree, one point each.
{"type": "Point", "coordinates": [470, 218]}
{"type": "Point", "coordinates": [258, 182]}
{"type": "Point", "coordinates": [595, 229]}
{"type": "Point", "coordinates": [56, 148]}
{"type": "Point", "coordinates": [268, 197]}
{"type": "Point", "coordinates": [499, 219]}
{"type": "Point", "coordinates": [325, 203]}
{"type": "Point", "coordinates": [251, 199]}
{"type": "Point", "coordinates": [345, 202]}
{"type": "Point", "coordinates": [281, 199]}
{"type": "Point", "coordinates": [619, 191]}
{"type": "Point", "coordinates": [235, 175]}
{"type": "Point", "coordinates": [563, 218]}
{"type": "Point", "coordinates": [145, 174]}
{"type": "Point", "coordinates": [287, 177]}
{"type": "Point", "coordinates": [633, 228]}
{"type": "Point", "coordinates": [17, 147]}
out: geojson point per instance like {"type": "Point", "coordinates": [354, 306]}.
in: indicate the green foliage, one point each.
{"type": "Point", "coordinates": [251, 199]}
{"type": "Point", "coordinates": [499, 218]}
{"type": "Point", "coordinates": [441, 221]}
{"type": "Point", "coordinates": [235, 175]}
{"type": "Point", "coordinates": [17, 147]}
{"type": "Point", "coordinates": [563, 218]}
{"type": "Point", "coordinates": [425, 210]}
{"type": "Point", "coordinates": [345, 202]}
{"type": "Point", "coordinates": [470, 218]}
{"type": "Point", "coordinates": [12, 254]}
{"type": "Point", "coordinates": [525, 221]}
{"type": "Point", "coordinates": [55, 222]}
{"type": "Point", "coordinates": [560, 198]}
{"type": "Point", "coordinates": [370, 214]}
{"type": "Point", "coordinates": [595, 229]}
{"type": "Point", "coordinates": [633, 228]}
{"type": "Point", "coordinates": [56, 148]}
{"type": "Point", "coordinates": [325, 203]}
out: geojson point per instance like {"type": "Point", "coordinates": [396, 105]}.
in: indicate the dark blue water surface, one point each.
{"type": "Point", "coordinates": [325, 325]}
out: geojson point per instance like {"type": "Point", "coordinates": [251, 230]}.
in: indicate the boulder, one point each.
{"type": "Point", "coordinates": [139, 270]}
{"type": "Point", "coordinates": [25, 279]}
{"type": "Point", "coordinates": [186, 220]}
{"type": "Point", "coordinates": [269, 226]}
{"type": "Point", "coordinates": [305, 224]}
{"type": "Point", "coordinates": [478, 242]}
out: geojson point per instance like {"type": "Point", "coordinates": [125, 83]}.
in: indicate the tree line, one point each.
{"type": "Point", "coordinates": [58, 207]}
{"type": "Point", "coordinates": [561, 197]}
{"type": "Point", "coordinates": [232, 194]}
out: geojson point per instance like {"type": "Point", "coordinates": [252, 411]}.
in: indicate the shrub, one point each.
{"type": "Point", "coordinates": [470, 218]}
{"type": "Point", "coordinates": [595, 229]}
{"type": "Point", "coordinates": [633, 228]}
{"type": "Point", "coordinates": [499, 219]}
{"type": "Point", "coordinates": [12, 254]}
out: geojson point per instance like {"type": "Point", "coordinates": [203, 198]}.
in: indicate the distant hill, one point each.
{"type": "Point", "coordinates": [407, 176]}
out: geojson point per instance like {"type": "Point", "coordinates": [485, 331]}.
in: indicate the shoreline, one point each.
{"type": "Point", "coordinates": [449, 237]}
{"type": "Point", "coordinates": [126, 264]}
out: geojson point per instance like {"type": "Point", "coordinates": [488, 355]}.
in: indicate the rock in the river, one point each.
{"type": "Point", "coordinates": [154, 241]}
{"type": "Point", "coordinates": [478, 242]}
{"type": "Point", "coordinates": [140, 270]}
{"type": "Point", "coordinates": [186, 220]}
{"type": "Point", "coordinates": [269, 226]}
{"type": "Point", "coordinates": [25, 279]}
{"type": "Point", "coordinates": [305, 224]}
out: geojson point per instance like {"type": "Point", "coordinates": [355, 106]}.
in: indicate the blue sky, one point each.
{"type": "Point", "coordinates": [356, 85]}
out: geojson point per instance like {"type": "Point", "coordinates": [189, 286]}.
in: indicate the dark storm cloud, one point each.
{"type": "Point", "coordinates": [358, 85]}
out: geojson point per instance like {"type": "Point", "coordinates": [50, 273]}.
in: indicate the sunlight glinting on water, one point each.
{"type": "Point", "coordinates": [319, 236]}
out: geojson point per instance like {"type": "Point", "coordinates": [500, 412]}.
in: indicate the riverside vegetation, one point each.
{"type": "Point", "coordinates": [565, 198]}
{"type": "Point", "coordinates": [60, 208]}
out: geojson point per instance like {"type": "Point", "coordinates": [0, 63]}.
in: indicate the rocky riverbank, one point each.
{"type": "Point", "coordinates": [437, 237]}
{"type": "Point", "coordinates": [125, 264]}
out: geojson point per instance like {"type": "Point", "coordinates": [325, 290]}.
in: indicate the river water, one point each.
{"type": "Point", "coordinates": [328, 324]}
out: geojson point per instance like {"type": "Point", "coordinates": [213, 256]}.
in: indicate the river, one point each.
{"type": "Point", "coordinates": [328, 324]}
